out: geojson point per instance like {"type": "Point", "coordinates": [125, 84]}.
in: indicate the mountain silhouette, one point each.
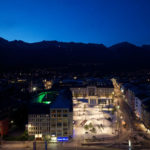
{"type": "Point", "coordinates": [19, 54]}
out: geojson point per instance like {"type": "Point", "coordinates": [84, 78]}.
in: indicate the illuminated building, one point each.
{"type": "Point", "coordinates": [47, 84]}
{"type": "Point", "coordinates": [51, 115]}
{"type": "Point", "coordinates": [95, 92]}
{"type": "Point", "coordinates": [139, 99]}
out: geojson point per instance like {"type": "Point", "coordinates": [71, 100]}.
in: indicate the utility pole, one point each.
{"type": "Point", "coordinates": [130, 145]}
{"type": "Point", "coordinates": [34, 145]}
{"type": "Point", "coordinates": [45, 145]}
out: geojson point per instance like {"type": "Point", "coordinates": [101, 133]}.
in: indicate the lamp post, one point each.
{"type": "Point", "coordinates": [34, 145]}
{"type": "Point", "coordinates": [130, 145]}
{"type": "Point", "coordinates": [45, 145]}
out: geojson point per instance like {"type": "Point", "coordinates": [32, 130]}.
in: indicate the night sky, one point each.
{"type": "Point", "coordinates": [88, 21]}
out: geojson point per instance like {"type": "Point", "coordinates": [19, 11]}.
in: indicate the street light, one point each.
{"type": "Point", "coordinates": [34, 89]}
{"type": "Point", "coordinates": [11, 121]}
{"type": "Point", "coordinates": [118, 107]}
{"type": "Point", "coordinates": [130, 146]}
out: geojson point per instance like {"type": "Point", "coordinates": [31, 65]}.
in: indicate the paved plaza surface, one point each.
{"type": "Point", "coordinates": [93, 121]}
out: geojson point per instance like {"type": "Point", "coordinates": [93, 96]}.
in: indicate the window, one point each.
{"type": "Point", "coordinates": [65, 124]}
{"type": "Point", "coordinates": [59, 120]}
{"type": "Point", "coordinates": [53, 132]}
{"type": "Point", "coordinates": [65, 131]}
{"type": "Point", "coordinates": [65, 115]}
{"type": "Point", "coordinates": [58, 115]}
{"type": "Point", "coordinates": [58, 111]}
{"type": "Point", "coordinates": [91, 91]}
{"type": "Point", "coordinates": [59, 134]}
{"type": "Point", "coordinates": [53, 116]}
{"type": "Point", "coordinates": [59, 124]}
{"type": "Point", "coordinates": [53, 125]}
{"type": "Point", "coordinates": [53, 111]}
{"type": "Point", "coordinates": [65, 111]}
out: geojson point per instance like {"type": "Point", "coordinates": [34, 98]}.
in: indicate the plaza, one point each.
{"type": "Point", "coordinates": [93, 122]}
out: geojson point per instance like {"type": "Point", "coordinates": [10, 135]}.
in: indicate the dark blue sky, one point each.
{"type": "Point", "coordinates": [94, 21]}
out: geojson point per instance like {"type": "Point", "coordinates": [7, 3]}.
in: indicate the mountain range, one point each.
{"type": "Point", "coordinates": [121, 56]}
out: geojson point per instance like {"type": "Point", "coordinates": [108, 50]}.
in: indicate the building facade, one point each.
{"type": "Point", "coordinates": [94, 90]}
{"type": "Point", "coordinates": [94, 94]}
{"type": "Point", "coordinates": [53, 120]}
{"type": "Point", "coordinates": [146, 113]}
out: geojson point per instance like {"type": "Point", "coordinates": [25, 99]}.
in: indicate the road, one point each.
{"type": "Point", "coordinates": [133, 131]}
{"type": "Point", "coordinates": [53, 146]}
{"type": "Point", "coordinates": [67, 146]}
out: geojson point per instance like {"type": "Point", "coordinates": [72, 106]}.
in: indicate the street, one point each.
{"type": "Point", "coordinates": [134, 132]}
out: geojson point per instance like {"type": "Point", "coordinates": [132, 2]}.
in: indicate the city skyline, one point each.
{"type": "Point", "coordinates": [74, 74]}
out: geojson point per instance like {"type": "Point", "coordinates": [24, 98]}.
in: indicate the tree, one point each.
{"type": "Point", "coordinates": [93, 130]}
{"type": "Point", "coordinates": [84, 107]}
{"type": "Point", "coordinates": [114, 110]}
{"type": "Point", "coordinates": [90, 125]}
{"type": "Point", "coordinates": [86, 127]}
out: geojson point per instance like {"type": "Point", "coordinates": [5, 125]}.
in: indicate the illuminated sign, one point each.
{"type": "Point", "coordinates": [61, 139]}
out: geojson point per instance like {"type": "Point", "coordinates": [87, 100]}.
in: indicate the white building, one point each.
{"type": "Point", "coordinates": [94, 94]}
{"type": "Point", "coordinates": [51, 116]}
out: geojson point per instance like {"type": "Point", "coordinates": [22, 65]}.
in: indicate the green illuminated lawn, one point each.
{"type": "Point", "coordinates": [40, 97]}
{"type": "Point", "coordinates": [45, 97]}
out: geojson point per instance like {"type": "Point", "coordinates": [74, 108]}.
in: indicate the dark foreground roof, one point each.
{"type": "Point", "coordinates": [100, 83]}
{"type": "Point", "coordinates": [63, 100]}
{"type": "Point", "coordinates": [38, 108]}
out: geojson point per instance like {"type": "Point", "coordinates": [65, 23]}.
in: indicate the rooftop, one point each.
{"type": "Point", "coordinates": [45, 97]}
{"type": "Point", "coordinates": [44, 101]}
{"type": "Point", "coordinates": [63, 100]}
{"type": "Point", "coordinates": [103, 83]}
